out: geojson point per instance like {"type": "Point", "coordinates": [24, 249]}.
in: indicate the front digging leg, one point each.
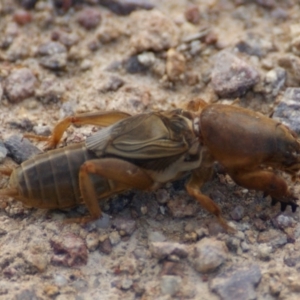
{"type": "Point", "coordinates": [268, 182]}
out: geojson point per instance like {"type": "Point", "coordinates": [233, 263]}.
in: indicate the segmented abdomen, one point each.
{"type": "Point", "coordinates": [51, 180]}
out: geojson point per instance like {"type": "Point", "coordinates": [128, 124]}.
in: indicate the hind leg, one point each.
{"type": "Point", "coordinates": [6, 170]}
{"type": "Point", "coordinates": [102, 119]}
{"type": "Point", "coordinates": [122, 174]}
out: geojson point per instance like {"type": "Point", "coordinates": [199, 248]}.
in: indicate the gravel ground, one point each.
{"type": "Point", "coordinates": [64, 57]}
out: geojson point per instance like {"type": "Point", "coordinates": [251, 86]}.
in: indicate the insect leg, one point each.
{"type": "Point", "coordinates": [125, 174]}
{"type": "Point", "coordinates": [10, 192]}
{"type": "Point", "coordinates": [266, 181]}
{"type": "Point", "coordinates": [95, 118]}
{"type": "Point", "coordinates": [6, 170]}
{"type": "Point", "coordinates": [198, 178]}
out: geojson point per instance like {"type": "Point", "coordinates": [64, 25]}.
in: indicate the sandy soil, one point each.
{"type": "Point", "coordinates": [59, 58]}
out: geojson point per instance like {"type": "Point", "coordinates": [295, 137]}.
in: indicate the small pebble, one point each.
{"type": "Point", "coordinates": [53, 55]}
{"type": "Point", "coordinates": [245, 246]}
{"type": "Point", "coordinates": [102, 222]}
{"type": "Point", "coordinates": [37, 262]}
{"type": "Point", "coordinates": [105, 246]}
{"type": "Point", "coordinates": [80, 285]}
{"type": "Point", "coordinates": [275, 81]}
{"type": "Point", "coordinates": [172, 268]}
{"type": "Point", "coordinates": [92, 241]}
{"type": "Point", "coordinates": [179, 207]}
{"type": "Point", "coordinates": [50, 90]}
{"type": "Point", "coordinates": [51, 290]}
{"type": "Point", "coordinates": [162, 196]}
{"type": "Point", "coordinates": [291, 260]}
{"type": "Point", "coordinates": [51, 48]}
{"type": "Point", "coordinates": [152, 30]}
{"type": "Point", "coordinates": [233, 244]}
{"type": "Point", "coordinates": [170, 284]}
{"type": "Point", "coordinates": [20, 149]}
{"type": "Point", "coordinates": [280, 14]}
{"type": "Point", "coordinates": [190, 237]}
{"type": "Point", "coordinates": [208, 255]}
{"type": "Point", "coordinates": [66, 109]}
{"type": "Point", "coordinates": [267, 3]}
{"type": "Point", "coordinates": [282, 221]}
{"type": "Point", "coordinates": [156, 236]}
{"type": "Point", "coordinates": [89, 18]}
{"type": "Point", "coordinates": [272, 237]}
{"type": "Point", "coordinates": [291, 63]}
{"type": "Point", "coordinates": [22, 17]}
{"type": "Point", "coordinates": [128, 266]}
{"type": "Point", "coordinates": [3, 151]}
{"type": "Point", "coordinates": [2, 232]}
{"type": "Point", "coordinates": [192, 14]}
{"type": "Point", "coordinates": [42, 130]}
{"type": "Point", "coordinates": [259, 224]}
{"type": "Point", "coordinates": [65, 38]}
{"type": "Point", "coordinates": [112, 84]}
{"type": "Point", "coordinates": [147, 59]}
{"type": "Point", "coordinates": [214, 228]}
{"type": "Point", "coordinates": [20, 84]}
{"type": "Point", "coordinates": [267, 63]}
{"type": "Point", "coordinates": [275, 288]}
{"type": "Point", "coordinates": [139, 290]}
{"type": "Point", "coordinates": [196, 47]}
{"type": "Point", "coordinates": [141, 253]}
{"type": "Point", "coordinates": [26, 294]}
{"type": "Point", "coordinates": [287, 111]}
{"type": "Point", "coordinates": [60, 280]}
{"type": "Point", "coordinates": [162, 250]}
{"type": "Point", "coordinates": [128, 226]}
{"type": "Point", "coordinates": [293, 282]}
{"type": "Point", "coordinates": [28, 4]}
{"type": "Point", "coordinates": [86, 64]}
{"type": "Point", "coordinates": [114, 238]}
{"type": "Point", "coordinates": [175, 65]}
{"type": "Point", "coordinates": [240, 235]}
{"type": "Point", "coordinates": [232, 76]}
{"type": "Point", "coordinates": [133, 65]}
{"type": "Point", "coordinates": [255, 45]}
{"type": "Point", "coordinates": [237, 213]}
{"type": "Point", "coordinates": [1, 92]}
{"type": "Point", "coordinates": [126, 284]}
{"type": "Point", "coordinates": [195, 36]}
{"type": "Point", "coordinates": [125, 7]}
{"type": "Point", "coordinates": [237, 282]}
{"type": "Point", "coordinates": [108, 32]}
{"type": "Point", "coordinates": [69, 250]}
{"type": "Point", "coordinates": [201, 232]}
{"type": "Point", "coordinates": [264, 251]}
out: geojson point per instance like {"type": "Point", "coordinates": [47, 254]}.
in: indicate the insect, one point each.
{"type": "Point", "coordinates": [147, 150]}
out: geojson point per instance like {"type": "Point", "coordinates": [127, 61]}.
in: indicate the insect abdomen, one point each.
{"type": "Point", "coordinates": [51, 180]}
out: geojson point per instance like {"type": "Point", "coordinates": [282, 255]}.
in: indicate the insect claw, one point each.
{"type": "Point", "coordinates": [274, 201]}
{"type": "Point", "coordinates": [294, 207]}
{"type": "Point", "coordinates": [265, 194]}
{"type": "Point", "coordinates": [283, 205]}
{"type": "Point", "coordinates": [228, 228]}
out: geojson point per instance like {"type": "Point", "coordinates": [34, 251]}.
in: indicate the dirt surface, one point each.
{"type": "Point", "coordinates": [59, 58]}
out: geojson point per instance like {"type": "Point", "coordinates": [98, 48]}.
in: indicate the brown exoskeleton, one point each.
{"type": "Point", "coordinates": [147, 150]}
